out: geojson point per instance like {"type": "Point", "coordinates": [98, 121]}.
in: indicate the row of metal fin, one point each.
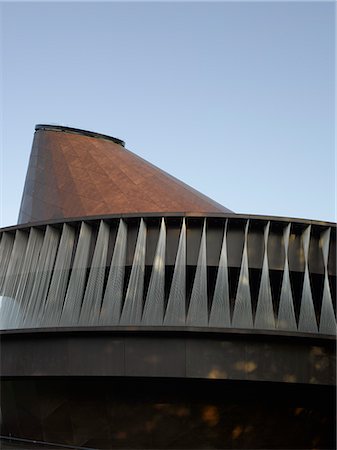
{"type": "Point", "coordinates": [42, 284]}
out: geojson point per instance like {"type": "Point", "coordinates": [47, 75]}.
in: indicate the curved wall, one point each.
{"type": "Point", "coordinates": [168, 414]}
{"type": "Point", "coordinates": [184, 326]}
{"type": "Point", "coordinates": [223, 272]}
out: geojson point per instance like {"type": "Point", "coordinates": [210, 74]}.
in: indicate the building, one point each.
{"type": "Point", "coordinates": [138, 313]}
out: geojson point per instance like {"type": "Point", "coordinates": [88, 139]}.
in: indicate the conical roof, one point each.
{"type": "Point", "coordinates": [76, 173]}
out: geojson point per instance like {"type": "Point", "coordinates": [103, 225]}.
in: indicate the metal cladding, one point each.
{"type": "Point", "coordinates": [168, 257]}
{"type": "Point", "coordinates": [74, 173]}
{"type": "Point", "coordinates": [176, 271]}
{"type": "Point", "coordinates": [126, 293]}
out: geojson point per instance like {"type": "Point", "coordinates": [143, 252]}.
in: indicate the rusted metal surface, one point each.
{"type": "Point", "coordinates": [76, 174]}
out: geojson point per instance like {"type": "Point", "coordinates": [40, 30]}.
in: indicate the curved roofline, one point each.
{"type": "Point", "coordinates": [61, 128]}
{"type": "Point", "coordinates": [167, 329]}
{"type": "Point", "coordinates": [186, 214]}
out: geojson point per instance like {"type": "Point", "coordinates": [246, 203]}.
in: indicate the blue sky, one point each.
{"type": "Point", "coordinates": [237, 99]}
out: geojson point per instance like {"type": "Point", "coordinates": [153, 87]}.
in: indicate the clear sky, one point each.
{"type": "Point", "coordinates": [237, 99]}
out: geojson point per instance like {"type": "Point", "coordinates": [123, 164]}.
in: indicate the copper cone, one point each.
{"type": "Point", "coordinates": [73, 173]}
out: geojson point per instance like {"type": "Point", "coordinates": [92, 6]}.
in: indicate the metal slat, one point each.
{"type": "Point", "coordinates": [73, 301]}
{"type": "Point", "coordinates": [28, 274]}
{"type": "Point", "coordinates": [264, 316]}
{"type": "Point", "coordinates": [327, 321]}
{"type": "Point", "coordinates": [220, 310]}
{"type": "Point", "coordinates": [153, 313]}
{"type": "Point", "coordinates": [242, 315]}
{"type": "Point", "coordinates": [92, 301]}
{"type": "Point", "coordinates": [307, 320]}
{"type": "Point", "coordinates": [286, 314]}
{"type": "Point", "coordinates": [6, 246]}
{"type": "Point", "coordinates": [9, 306]}
{"type": "Point", "coordinates": [197, 314]}
{"type": "Point", "coordinates": [176, 307]}
{"type": "Point", "coordinates": [133, 305]}
{"type": "Point", "coordinates": [42, 277]}
{"type": "Point", "coordinates": [58, 285]}
{"type": "Point", "coordinates": [113, 296]}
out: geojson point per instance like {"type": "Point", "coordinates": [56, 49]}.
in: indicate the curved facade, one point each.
{"type": "Point", "coordinates": [216, 271]}
{"type": "Point", "coordinates": [182, 328]}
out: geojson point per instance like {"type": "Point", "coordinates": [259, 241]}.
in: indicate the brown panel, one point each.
{"type": "Point", "coordinates": [150, 413]}
{"type": "Point", "coordinates": [152, 354]}
{"type": "Point", "coordinates": [73, 173]}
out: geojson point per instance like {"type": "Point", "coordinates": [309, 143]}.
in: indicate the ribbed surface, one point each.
{"type": "Point", "coordinates": [29, 276]}
{"type": "Point", "coordinates": [13, 275]}
{"type": "Point", "coordinates": [220, 311]}
{"type": "Point", "coordinates": [176, 305]}
{"type": "Point", "coordinates": [286, 314]}
{"type": "Point", "coordinates": [264, 317]}
{"type": "Point", "coordinates": [154, 306]}
{"type": "Point", "coordinates": [73, 300]}
{"type": "Point", "coordinates": [91, 306]}
{"type": "Point", "coordinates": [307, 320]}
{"type": "Point", "coordinates": [327, 323]}
{"type": "Point", "coordinates": [41, 280]}
{"type": "Point", "coordinates": [58, 286]}
{"type": "Point", "coordinates": [133, 304]}
{"type": "Point", "coordinates": [113, 296]}
{"type": "Point", "coordinates": [117, 272]}
{"type": "Point", "coordinates": [243, 316]}
{"type": "Point", "coordinates": [6, 246]}
{"type": "Point", "coordinates": [198, 309]}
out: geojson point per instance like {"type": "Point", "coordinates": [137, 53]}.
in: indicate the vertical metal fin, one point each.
{"type": "Point", "coordinates": [91, 305]}
{"type": "Point", "coordinates": [58, 285]}
{"type": "Point", "coordinates": [242, 315]}
{"type": "Point", "coordinates": [43, 275]}
{"type": "Point", "coordinates": [112, 300]}
{"type": "Point", "coordinates": [133, 305]}
{"type": "Point", "coordinates": [286, 315]}
{"type": "Point", "coordinates": [6, 246]}
{"type": "Point", "coordinates": [220, 310]}
{"type": "Point", "coordinates": [28, 274]}
{"type": "Point", "coordinates": [307, 321]}
{"type": "Point", "coordinates": [264, 317]}
{"type": "Point", "coordinates": [9, 307]}
{"type": "Point", "coordinates": [175, 310]}
{"type": "Point", "coordinates": [197, 314]}
{"type": "Point", "coordinates": [154, 305]}
{"type": "Point", "coordinates": [73, 301]}
{"type": "Point", "coordinates": [327, 322]}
